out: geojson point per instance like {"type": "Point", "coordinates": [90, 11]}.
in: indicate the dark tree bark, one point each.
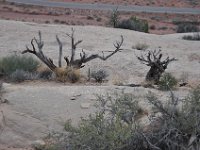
{"type": "Point", "coordinates": [72, 63]}
{"type": "Point", "coordinates": [157, 66]}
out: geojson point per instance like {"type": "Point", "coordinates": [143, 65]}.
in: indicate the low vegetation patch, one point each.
{"type": "Point", "coordinates": [173, 124]}
{"type": "Point", "coordinates": [178, 125]}
{"type": "Point", "coordinates": [141, 46]}
{"type": "Point", "coordinates": [134, 23]}
{"type": "Point", "coordinates": [167, 82]}
{"type": "Point", "coordinates": [10, 64]}
{"type": "Point", "coordinates": [111, 127]}
{"type": "Point", "coordinates": [187, 27]}
{"type": "Point", "coordinates": [99, 75]}
{"type": "Point", "coordinates": [194, 37]}
{"type": "Point", "coordinates": [21, 75]}
{"type": "Point", "coordinates": [1, 89]}
{"type": "Point", "coordinates": [114, 18]}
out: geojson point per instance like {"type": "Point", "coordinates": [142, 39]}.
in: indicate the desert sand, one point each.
{"type": "Point", "coordinates": [162, 3]}
{"type": "Point", "coordinates": [37, 108]}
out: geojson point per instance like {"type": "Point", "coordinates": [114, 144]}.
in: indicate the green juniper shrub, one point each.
{"type": "Point", "coordinates": [46, 74]}
{"type": "Point", "coordinates": [112, 127]}
{"type": "Point", "coordinates": [21, 75]}
{"type": "Point", "coordinates": [141, 46]}
{"type": "Point", "coordinates": [114, 18]}
{"type": "Point", "coordinates": [187, 27]}
{"type": "Point", "coordinates": [173, 124]}
{"type": "Point", "coordinates": [10, 64]}
{"type": "Point", "coordinates": [167, 82]}
{"type": "Point", "coordinates": [134, 23]}
{"type": "Point", "coordinates": [177, 126]}
{"type": "Point", "coordinates": [194, 37]}
{"type": "Point", "coordinates": [99, 75]}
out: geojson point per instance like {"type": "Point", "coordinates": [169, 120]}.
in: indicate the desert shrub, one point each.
{"type": "Point", "coordinates": [21, 75]}
{"type": "Point", "coordinates": [45, 74]}
{"type": "Point", "coordinates": [194, 37]}
{"type": "Point", "coordinates": [99, 75]}
{"type": "Point", "coordinates": [163, 28]}
{"type": "Point", "coordinates": [186, 27]}
{"type": "Point", "coordinates": [90, 18]}
{"type": "Point", "coordinates": [140, 46]}
{"type": "Point", "coordinates": [112, 127]}
{"type": "Point", "coordinates": [134, 23]}
{"type": "Point", "coordinates": [114, 18]}
{"type": "Point", "coordinates": [1, 89]}
{"type": "Point", "coordinates": [1, 85]}
{"type": "Point", "coordinates": [73, 76]}
{"type": "Point", "coordinates": [178, 123]}
{"type": "Point", "coordinates": [173, 125]}
{"type": "Point", "coordinates": [167, 82]}
{"type": "Point", "coordinates": [56, 21]}
{"type": "Point", "coordinates": [184, 77]}
{"type": "Point", "coordinates": [10, 64]}
{"type": "Point", "coordinates": [99, 19]}
{"type": "Point", "coordinates": [152, 27]}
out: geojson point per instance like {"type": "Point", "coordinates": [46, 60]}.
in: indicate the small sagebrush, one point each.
{"type": "Point", "coordinates": [194, 37]}
{"type": "Point", "coordinates": [173, 124]}
{"type": "Point", "coordinates": [134, 23]}
{"type": "Point", "coordinates": [1, 88]}
{"type": "Point", "coordinates": [114, 18]}
{"type": "Point", "coordinates": [10, 64]}
{"type": "Point", "coordinates": [99, 75]}
{"type": "Point", "coordinates": [187, 27]}
{"type": "Point", "coordinates": [45, 74]}
{"type": "Point", "coordinates": [177, 126]}
{"type": "Point", "coordinates": [21, 75]}
{"type": "Point", "coordinates": [111, 127]}
{"type": "Point", "coordinates": [167, 82]}
{"type": "Point", "coordinates": [141, 46]}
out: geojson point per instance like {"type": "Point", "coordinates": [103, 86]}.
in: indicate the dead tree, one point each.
{"type": "Point", "coordinates": [72, 65]}
{"type": "Point", "coordinates": [157, 66]}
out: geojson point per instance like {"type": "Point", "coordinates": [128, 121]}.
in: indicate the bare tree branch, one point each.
{"type": "Point", "coordinates": [158, 66]}
{"type": "Point", "coordinates": [39, 54]}
{"type": "Point", "coordinates": [117, 45]}
{"type": "Point", "coordinates": [60, 51]}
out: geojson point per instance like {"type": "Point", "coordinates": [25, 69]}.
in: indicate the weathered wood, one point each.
{"type": "Point", "coordinates": [157, 66]}
{"type": "Point", "coordinates": [72, 63]}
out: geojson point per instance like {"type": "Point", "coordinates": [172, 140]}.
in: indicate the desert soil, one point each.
{"type": "Point", "coordinates": [161, 3]}
{"type": "Point", "coordinates": [158, 23]}
{"type": "Point", "coordinates": [38, 108]}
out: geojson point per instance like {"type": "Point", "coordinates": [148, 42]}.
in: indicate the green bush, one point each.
{"type": "Point", "coordinates": [99, 75]}
{"type": "Point", "coordinates": [112, 127]}
{"type": "Point", "coordinates": [186, 27]}
{"type": "Point", "coordinates": [1, 88]}
{"type": "Point", "coordinates": [167, 82]}
{"type": "Point", "coordinates": [140, 46]}
{"type": "Point", "coordinates": [173, 124]}
{"type": "Point", "coordinates": [114, 18]}
{"type": "Point", "coordinates": [21, 75]}
{"type": "Point", "coordinates": [10, 64]}
{"type": "Point", "coordinates": [178, 124]}
{"type": "Point", "coordinates": [194, 37]}
{"type": "Point", "coordinates": [46, 74]}
{"type": "Point", "coordinates": [134, 23]}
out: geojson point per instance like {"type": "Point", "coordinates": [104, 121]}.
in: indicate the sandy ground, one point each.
{"type": "Point", "coordinates": [37, 108]}
{"type": "Point", "coordinates": [158, 23]}
{"type": "Point", "coordinates": [162, 3]}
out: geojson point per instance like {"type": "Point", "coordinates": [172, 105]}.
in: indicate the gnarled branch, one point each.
{"type": "Point", "coordinates": [158, 66]}
{"type": "Point", "coordinates": [39, 53]}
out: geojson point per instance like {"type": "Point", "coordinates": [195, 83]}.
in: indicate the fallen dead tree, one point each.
{"type": "Point", "coordinates": [71, 72]}
{"type": "Point", "coordinates": [157, 66]}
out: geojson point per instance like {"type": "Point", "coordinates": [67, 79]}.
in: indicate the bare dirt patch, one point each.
{"type": "Point", "coordinates": [158, 23]}
{"type": "Point", "coordinates": [161, 3]}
